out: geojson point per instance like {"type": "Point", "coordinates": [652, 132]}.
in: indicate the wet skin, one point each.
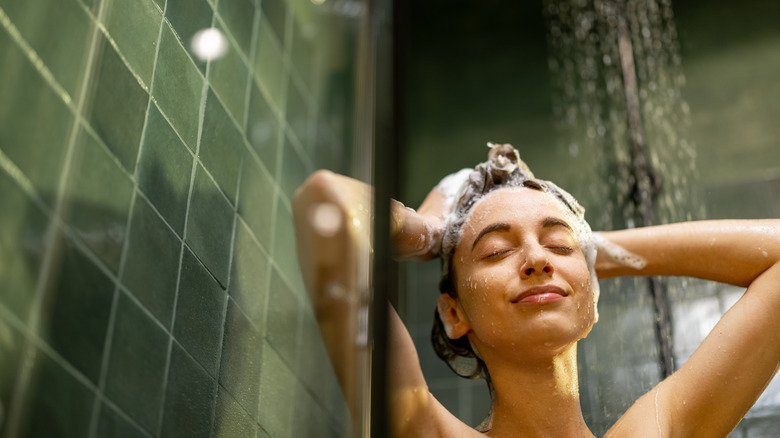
{"type": "Point", "coordinates": [522, 280]}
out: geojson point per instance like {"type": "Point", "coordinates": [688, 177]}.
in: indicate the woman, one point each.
{"type": "Point", "coordinates": [519, 290]}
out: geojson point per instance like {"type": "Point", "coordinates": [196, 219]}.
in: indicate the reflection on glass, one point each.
{"type": "Point", "coordinates": [209, 44]}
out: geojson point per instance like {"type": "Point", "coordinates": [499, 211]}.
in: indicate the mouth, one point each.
{"type": "Point", "coordinates": [540, 295]}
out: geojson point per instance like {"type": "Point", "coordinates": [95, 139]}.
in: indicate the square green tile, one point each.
{"type": "Point", "coordinates": [269, 63]}
{"type": "Point", "coordinates": [65, 54]}
{"type": "Point", "coordinates": [239, 372]}
{"type": "Point", "coordinates": [152, 263]}
{"type": "Point", "coordinates": [228, 75]}
{"type": "Point", "coordinates": [112, 424]}
{"type": "Point", "coordinates": [284, 250]}
{"type": "Point", "coordinates": [178, 87]}
{"type": "Point", "coordinates": [231, 420]}
{"type": "Point", "coordinates": [249, 275]}
{"type": "Point", "coordinates": [60, 405]}
{"type": "Point", "coordinates": [135, 26]}
{"type": "Point", "coordinates": [263, 129]}
{"type": "Point", "coordinates": [97, 200]}
{"type": "Point", "coordinates": [210, 226]}
{"type": "Point", "coordinates": [80, 300]}
{"type": "Point", "coordinates": [11, 351]}
{"type": "Point", "coordinates": [256, 202]}
{"type": "Point", "coordinates": [299, 112]}
{"type": "Point", "coordinates": [315, 371]}
{"type": "Point", "coordinates": [117, 105]}
{"type": "Point", "coordinates": [136, 367]}
{"type": "Point", "coordinates": [22, 240]}
{"type": "Point", "coordinates": [239, 18]}
{"type": "Point", "coordinates": [199, 310]}
{"type": "Point", "coordinates": [189, 398]}
{"type": "Point", "coordinates": [294, 169]}
{"type": "Point", "coordinates": [222, 146]}
{"type": "Point", "coordinates": [275, 12]}
{"type": "Point", "coordinates": [187, 17]}
{"type": "Point", "coordinates": [281, 328]}
{"type": "Point", "coordinates": [37, 152]}
{"type": "Point", "coordinates": [278, 387]}
{"type": "Point", "coordinates": [165, 170]}
{"type": "Point", "coordinates": [303, 52]}
{"type": "Point", "coordinates": [318, 422]}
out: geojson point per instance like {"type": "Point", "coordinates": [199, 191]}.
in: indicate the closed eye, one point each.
{"type": "Point", "coordinates": [496, 254]}
{"type": "Point", "coordinates": [563, 250]}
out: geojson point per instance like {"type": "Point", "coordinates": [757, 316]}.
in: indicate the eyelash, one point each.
{"type": "Point", "coordinates": [562, 250]}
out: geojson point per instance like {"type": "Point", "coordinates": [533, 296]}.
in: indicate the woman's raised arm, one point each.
{"type": "Point", "coordinates": [713, 390]}
{"type": "Point", "coordinates": [332, 215]}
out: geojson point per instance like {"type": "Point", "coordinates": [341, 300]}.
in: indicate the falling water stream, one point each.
{"type": "Point", "coordinates": [616, 72]}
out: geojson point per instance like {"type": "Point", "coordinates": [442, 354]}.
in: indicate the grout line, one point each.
{"type": "Point", "coordinates": [108, 346]}
{"type": "Point", "coordinates": [21, 391]}
{"type": "Point", "coordinates": [195, 165]}
{"type": "Point", "coordinates": [33, 57]}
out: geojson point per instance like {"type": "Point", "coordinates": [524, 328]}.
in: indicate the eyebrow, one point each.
{"type": "Point", "coordinates": [548, 222]}
{"type": "Point", "coordinates": [498, 226]}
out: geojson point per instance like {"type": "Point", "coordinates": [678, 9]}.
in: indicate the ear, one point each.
{"type": "Point", "coordinates": [452, 316]}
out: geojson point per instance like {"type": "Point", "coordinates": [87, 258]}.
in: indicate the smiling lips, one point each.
{"type": "Point", "coordinates": [540, 295]}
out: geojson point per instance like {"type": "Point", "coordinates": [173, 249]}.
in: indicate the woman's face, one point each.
{"type": "Point", "coordinates": [521, 275]}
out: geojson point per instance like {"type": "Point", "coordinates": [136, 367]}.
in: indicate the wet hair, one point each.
{"type": "Point", "coordinates": [503, 169]}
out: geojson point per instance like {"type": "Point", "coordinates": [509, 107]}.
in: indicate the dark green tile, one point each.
{"type": "Point", "coordinates": [294, 169]}
{"type": "Point", "coordinates": [256, 203]}
{"type": "Point", "coordinates": [199, 310]}
{"type": "Point", "coordinates": [249, 277]}
{"type": "Point", "coordinates": [315, 371]}
{"type": "Point", "coordinates": [210, 226]}
{"type": "Point", "coordinates": [112, 424]}
{"type": "Point", "coordinates": [79, 300]}
{"type": "Point", "coordinates": [278, 388]}
{"type": "Point", "coordinates": [298, 113]}
{"type": "Point", "coordinates": [189, 398]}
{"type": "Point", "coordinates": [152, 263]}
{"type": "Point", "coordinates": [239, 372]}
{"type": "Point", "coordinates": [228, 76]}
{"type": "Point", "coordinates": [165, 170]}
{"type": "Point", "coordinates": [221, 146]}
{"type": "Point", "coordinates": [178, 86]}
{"type": "Point", "coordinates": [284, 251]}
{"type": "Point", "coordinates": [117, 106]}
{"type": "Point", "coordinates": [317, 421]}
{"type": "Point", "coordinates": [60, 405]}
{"type": "Point", "coordinates": [231, 420]}
{"type": "Point", "coordinates": [65, 55]}
{"type": "Point", "coordinates": [11, 351]}
{"type": "Point", "coordinates": [135, 26]}
{"type": "Point", "coordinates": [22, 239]}
{"type": "Point", "coordinates": [98, 199]}
{"type": "Point", "coordinates": [37, 152]}
{"type": "Point", "coordinates": [303, 54]}
{"type": "Point", "coordinates": [239, 18]}
{"type": "Point", "coordinates": [275, 12]}
{"type": "Point", "coordinates": [269, 63]}
{"type": "Point", "coordinates": [187, 18]}
{"type": "Point", "coordinates": [262, 129]}
{"type": "Point", "coordinates": [136, 368]}
{"type": "Point", "coordinates": [282, 321]}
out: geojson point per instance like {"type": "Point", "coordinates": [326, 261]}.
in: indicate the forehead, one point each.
{"type": "Point", "coordinates": [518, 206]}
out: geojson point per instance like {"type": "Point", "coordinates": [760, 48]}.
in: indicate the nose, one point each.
{"type": "Point", "coordinates": [536, 263]}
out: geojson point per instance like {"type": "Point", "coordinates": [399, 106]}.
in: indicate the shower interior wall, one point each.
{"type": "Point", "coordinates": [148, 275]}
{"type": "Point", "coordinates": [479, 72]}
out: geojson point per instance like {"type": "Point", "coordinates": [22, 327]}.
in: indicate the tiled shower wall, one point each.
{"type": "Point", "coordinates": [148, 276]}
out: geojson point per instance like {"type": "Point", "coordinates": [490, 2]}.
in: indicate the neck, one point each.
{"type": "Point", "coordinates": [538, 397]}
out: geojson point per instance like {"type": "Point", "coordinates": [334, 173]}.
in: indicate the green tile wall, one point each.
{"type": "Point", "coordinates": [148, 275]}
